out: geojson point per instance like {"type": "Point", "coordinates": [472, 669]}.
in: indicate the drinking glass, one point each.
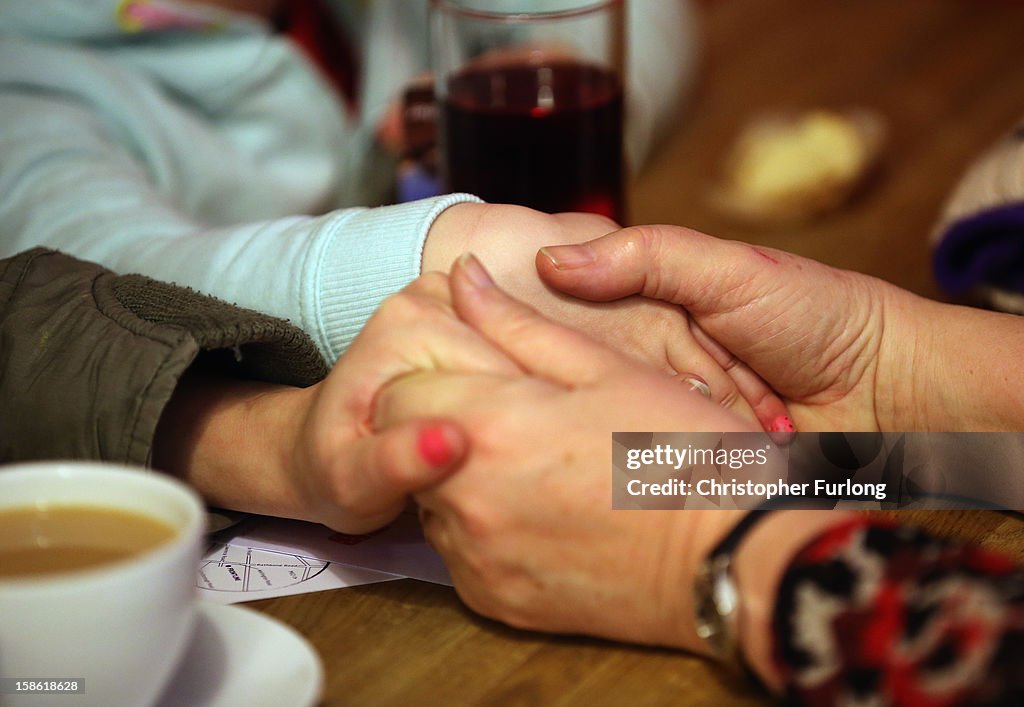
{"type": "Point", "coordinates": [530, 96]}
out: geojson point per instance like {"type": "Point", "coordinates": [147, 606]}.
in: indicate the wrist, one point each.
{"type": "Point", "coordinates": [450, 235]}
{"type": "Point", "coordinates": [944, 367]}
{"type": "Point", "coordinates": [904, 397]}
{"type": "Point", "coordinates": [966, 372]}
{"type": "Point", "coordinates": [692, 535]}
{"type": "Point", "coordinates": [277, 416]}
{"type": "Point", "coordinates": [232, 441]}
{"type": "Point", "coordinates": [759, 563]}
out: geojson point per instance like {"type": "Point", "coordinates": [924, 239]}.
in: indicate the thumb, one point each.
{"type": "Point", "coordinates": [670, 263]}
{"type": "Point", "coordinates": [385, 468]}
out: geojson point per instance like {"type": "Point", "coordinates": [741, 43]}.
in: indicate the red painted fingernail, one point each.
{"type": "Point", "coordinates": [433, 446]}
{"type": "Point", "coordinates": [782, 423]}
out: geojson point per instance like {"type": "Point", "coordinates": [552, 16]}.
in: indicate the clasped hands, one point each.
{"type": "Point", "coordinates": [498, 421]}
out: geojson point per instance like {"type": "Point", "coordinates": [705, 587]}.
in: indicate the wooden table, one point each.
{"type": "Point", "coordinates": [949, 78]}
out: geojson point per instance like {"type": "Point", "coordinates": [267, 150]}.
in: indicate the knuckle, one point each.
{"type": "Point", "coordinates": [517, 615]}
{"type": "Point", "coordinates": [494, 590]}
{"type": "Point", "coordinates": [729, 398]}
{"type": "Point", "coordinates": [477, 521]}
{"type": "Point", "coordinates": [730, 362]}
{"type": "Point", "coordinates": [514, 596]}
{"type": "Point", "coordinates": [432, 284]}
{"type": "Point", "coordinates": [476, 598]}
{"type": "Point", "coordinates": [339, 494]}
{"type": "Point", "coordinates": [410, 306]}
{"type": "Point", "coordinates": [396, 307]}
{"type": "Point", "coordinates": [522, 323]}
{"type": "Point", "coordinates": [646, 239]}
{"type": "Point", "coordinates": [426, 282]}
{"type": "Point", "coordinates": [645, 244]}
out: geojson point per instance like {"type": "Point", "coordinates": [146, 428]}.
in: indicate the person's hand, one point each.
{"type": "Point", "coordinates": [840, 347]}
{"type": "Point", "coordinates": [310, 453]}
{"type": "Point", "coordinates": [526, 525]}
{"type": "Point", "coordinates": [506, 239]}
{"type": "Point", "coordinates": [352, 479]}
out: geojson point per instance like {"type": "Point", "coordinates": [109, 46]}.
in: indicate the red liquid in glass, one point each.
{"type": "Point", "coordinates": [545, 137]}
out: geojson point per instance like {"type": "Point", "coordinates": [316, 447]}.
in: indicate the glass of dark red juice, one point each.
{"type": "Point", "coordinates": [531, 101]}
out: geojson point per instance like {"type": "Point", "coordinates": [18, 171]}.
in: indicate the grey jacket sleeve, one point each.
{"type": "Point", "coordinates": [89, 359]}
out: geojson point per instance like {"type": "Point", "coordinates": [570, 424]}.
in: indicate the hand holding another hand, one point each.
{"type": "Point", "coordinates": [352, 478]}
{"type": "Point", "coordinates": [311, 453]}
{"type": "Point", "coordinates": [506, 239]}
{"type": "Point", "coordinates": [836, 345]}
{"type": "Point", "coordinates": [526, 525]}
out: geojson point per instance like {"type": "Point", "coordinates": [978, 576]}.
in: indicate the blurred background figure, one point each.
{"type": "Point", "coordinates": [233, 146]}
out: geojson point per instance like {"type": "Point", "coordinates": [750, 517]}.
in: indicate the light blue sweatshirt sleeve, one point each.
{"type": "Point", "coordinates": [64, 183]}
{"type": "Point", "coordinates": [182, 154]}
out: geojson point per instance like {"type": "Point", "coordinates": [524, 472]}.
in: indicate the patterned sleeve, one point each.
{"type": "Point", "coordinates": [872, 613]}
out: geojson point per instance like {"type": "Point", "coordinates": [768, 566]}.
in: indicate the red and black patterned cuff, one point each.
{"type": "Point", "coordinates": [871, 612]}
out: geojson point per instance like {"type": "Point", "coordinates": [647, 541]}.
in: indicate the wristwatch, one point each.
{"type": "Point", "coordinates": [717, 599]}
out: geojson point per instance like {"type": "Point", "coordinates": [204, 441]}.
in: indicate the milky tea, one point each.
{"type": "Point", "coordinates": [52, 539]}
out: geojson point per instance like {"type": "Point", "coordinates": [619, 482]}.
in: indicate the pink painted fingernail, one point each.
{"type": "Point", "coordinates": [782, 423]}
{"type": "Point", "coordinates": [475, 271]}
{"type": "Point", "coordinates": [433, 446]}
{"type": "Point", "coordinates": [569, 257]}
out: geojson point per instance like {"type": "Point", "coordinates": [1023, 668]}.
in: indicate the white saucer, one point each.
{"type": "Point", "coordinates": [242, 657]}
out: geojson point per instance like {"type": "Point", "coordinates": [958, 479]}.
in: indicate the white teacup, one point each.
{"type": "Point", "coordinates": [118, 628]}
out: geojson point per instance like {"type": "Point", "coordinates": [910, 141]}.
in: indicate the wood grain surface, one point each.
{"type": "Point", "coordinates": [948, 78]}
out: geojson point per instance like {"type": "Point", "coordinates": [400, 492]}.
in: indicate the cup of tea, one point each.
{"type": "Point", "coordinates": [97, 582]}
{"type": "Point", "coordinates": [530, 99]}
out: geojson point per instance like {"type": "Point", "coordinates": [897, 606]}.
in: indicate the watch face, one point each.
{"type": "Point", "coordinates": [716, 603]}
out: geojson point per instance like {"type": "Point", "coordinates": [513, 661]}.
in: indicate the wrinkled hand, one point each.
{"type": "Point", "coordinates": [836, 345]}
{"type": "Point", "coordinates": [526, 525]}
{"type": "Point", "coordinates": [506, 239]}
{"type": "Point", "coordinates": [352, 479]}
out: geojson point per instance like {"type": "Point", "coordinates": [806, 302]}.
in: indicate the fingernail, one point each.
{"type": "Point", "coordinates": [698, 385]}
{"type": "Point", "coordinates": [475, 271]}
{"type": "Point", "coordinates": [433, 446]}
{"type": "Point", "coordinates": [569, 257]}
{"type": "Point", "coordinates": [782, 423]}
